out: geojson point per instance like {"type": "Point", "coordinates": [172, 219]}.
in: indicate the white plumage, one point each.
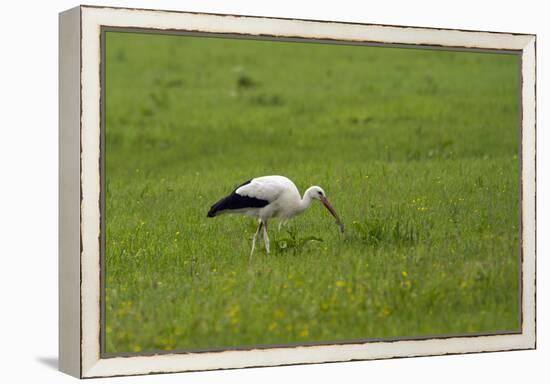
{"type": "Point", "coordinates": [270, 197]}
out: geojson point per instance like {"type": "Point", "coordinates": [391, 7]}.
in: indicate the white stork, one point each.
{"type": "Point", "coordinates": [270, 197]}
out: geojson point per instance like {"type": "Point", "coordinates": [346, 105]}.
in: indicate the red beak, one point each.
{"type": "Point", "coordinates": [333, 212]}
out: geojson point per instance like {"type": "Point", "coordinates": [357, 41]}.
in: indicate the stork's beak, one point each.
{"type": "Point", "coordinates": [333, 213]}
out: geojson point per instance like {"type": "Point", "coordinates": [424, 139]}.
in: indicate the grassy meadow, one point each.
{"type": "Point", "coordinates": [416, 149]}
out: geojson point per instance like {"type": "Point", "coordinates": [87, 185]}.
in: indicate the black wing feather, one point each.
{"type": "Point", "coordinates": [236, 201]}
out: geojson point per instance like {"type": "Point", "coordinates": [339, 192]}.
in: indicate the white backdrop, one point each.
{"type": "Point", "coordinates": [28, 189]}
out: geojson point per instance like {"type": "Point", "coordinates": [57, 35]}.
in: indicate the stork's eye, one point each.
{"type": "Point", "coordinates": [320, 193]}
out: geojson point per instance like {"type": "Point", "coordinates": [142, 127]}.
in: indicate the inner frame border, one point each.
{"type": "Point", "coordinates": [103, 174]}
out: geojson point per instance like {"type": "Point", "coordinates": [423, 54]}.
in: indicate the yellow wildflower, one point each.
{"type": "Point", "coordinates": [233, 310]}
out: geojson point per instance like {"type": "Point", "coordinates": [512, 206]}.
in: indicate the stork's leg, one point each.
{"type": "Point", "coordinates": [260, 223]}
{"type": "Point", "coordinates": [266, 237]}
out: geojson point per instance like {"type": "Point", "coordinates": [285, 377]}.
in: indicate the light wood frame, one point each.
{"type": "Point", "coordinates": [80, 187]}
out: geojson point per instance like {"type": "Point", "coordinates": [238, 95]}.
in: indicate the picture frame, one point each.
{"type": "Point", "coordinates": [82, 201]}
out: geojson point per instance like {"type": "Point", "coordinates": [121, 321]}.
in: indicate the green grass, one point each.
{"type": "Point", "coordinates": [416, 149]}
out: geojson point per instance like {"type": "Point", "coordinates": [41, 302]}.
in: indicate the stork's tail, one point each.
{"type": "Point", "coordinates": [217, 208]}
{"type": "Point", "coordinates": [211, 213]}
{"type": "Point", "coordinates": [235, 202]}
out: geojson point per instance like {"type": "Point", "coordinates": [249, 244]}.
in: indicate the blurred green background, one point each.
{"type": "Point", "coordinates": [417, 150]}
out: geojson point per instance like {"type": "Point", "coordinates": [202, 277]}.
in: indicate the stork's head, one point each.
{"type": "Point", "coordinates": [318, 193]}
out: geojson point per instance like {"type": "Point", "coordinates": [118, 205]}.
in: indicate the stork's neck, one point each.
{"type": "Point", "coordinates": [306, 200]}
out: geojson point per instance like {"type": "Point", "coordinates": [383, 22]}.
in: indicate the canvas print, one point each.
{"type": "Point", "coordinates": [265, 193]}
